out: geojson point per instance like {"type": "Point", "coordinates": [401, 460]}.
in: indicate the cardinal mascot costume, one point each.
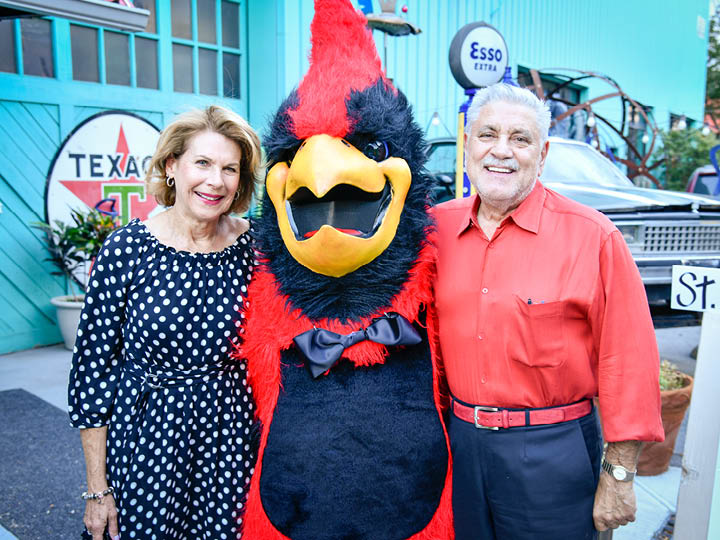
{"type": "Point", "coordinates": [338, 330]}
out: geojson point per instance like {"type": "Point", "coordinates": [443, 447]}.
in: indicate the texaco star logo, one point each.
{"type": "Point", "coordinates": [105, 157]}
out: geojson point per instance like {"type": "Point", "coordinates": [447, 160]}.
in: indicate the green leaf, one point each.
{"type": "Point", "coordinates": [682, 152]}
{"type": "Point", "coordinates": [72, 245]}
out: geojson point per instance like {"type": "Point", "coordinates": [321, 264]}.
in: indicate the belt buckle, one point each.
{"type": "Point", "coordinates": [484, 409]}
{"type": "Point", "coordinates": [154, 378]}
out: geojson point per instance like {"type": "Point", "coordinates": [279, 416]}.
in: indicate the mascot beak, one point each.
{"type": "Point", "coordinates": [337, 209]}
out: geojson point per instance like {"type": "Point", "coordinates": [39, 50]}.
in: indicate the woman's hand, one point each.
{"type": "Point", "coordinates": [99, 515]}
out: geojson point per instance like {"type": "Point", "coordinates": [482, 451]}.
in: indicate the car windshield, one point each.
{"type": "Point", "coordinates": [441, 158]}
{"type": "Point", "coordinates": [706, 184]}
{"type": "Point", "coordinates": [578, 164]}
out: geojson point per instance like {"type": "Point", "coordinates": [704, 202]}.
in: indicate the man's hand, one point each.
{"type": "Point", "coordinates": [614, 500]}
{"type": "Point", "coordinates": [614, 503]}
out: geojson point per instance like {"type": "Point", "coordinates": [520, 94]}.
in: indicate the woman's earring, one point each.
{"type": "Point", "coordinates": [169, 181]}
{"type": "Point", "coordinates": [237, 196]}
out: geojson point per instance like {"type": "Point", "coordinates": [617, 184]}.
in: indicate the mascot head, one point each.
{"type": "Point", "coordinates": [345, 214]}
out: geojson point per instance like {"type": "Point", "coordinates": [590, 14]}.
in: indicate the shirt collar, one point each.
{"type": "Point", "coordinates": [470, 217]}
{"type": "Point", "coordinates": [526, 215]}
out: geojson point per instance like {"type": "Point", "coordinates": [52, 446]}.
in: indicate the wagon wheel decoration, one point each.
{"type": "Point", "coordinates": [637, 167]}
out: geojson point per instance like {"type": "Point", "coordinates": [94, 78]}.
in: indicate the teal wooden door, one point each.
{"type": "Point", "coordinates": [29, 135]}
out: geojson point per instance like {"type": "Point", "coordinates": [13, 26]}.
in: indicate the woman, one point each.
{"type": "Point", "coordinates": [165, 417]}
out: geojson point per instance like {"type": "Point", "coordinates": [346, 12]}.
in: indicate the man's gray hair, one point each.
{"type": "Point", "coordinates": [511, 94]}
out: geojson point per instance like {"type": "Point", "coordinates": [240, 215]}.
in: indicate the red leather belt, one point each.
{"type": "Point", "coordinates": [496, 417]}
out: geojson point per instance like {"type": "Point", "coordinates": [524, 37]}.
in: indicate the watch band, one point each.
{"type": "Point", "coordinates": [618, 472]}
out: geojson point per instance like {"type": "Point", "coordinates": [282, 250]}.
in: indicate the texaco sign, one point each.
{"type": "Point", "coordinates": [105, 157]}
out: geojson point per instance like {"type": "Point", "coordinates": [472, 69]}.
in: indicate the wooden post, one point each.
{"type": "Point", "coordinates": [698, 289]}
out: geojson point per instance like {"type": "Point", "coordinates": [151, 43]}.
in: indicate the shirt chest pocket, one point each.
{"type": "Point", "coordinates": [537, 339]}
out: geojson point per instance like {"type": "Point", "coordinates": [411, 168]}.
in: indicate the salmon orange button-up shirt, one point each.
{"type": "Point", "coordinates": [549, 311]}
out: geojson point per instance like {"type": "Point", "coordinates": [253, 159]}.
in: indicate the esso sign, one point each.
{"type": "Point", "coordinates": [478, 55]}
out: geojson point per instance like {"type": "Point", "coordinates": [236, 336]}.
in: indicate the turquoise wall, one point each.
{"type": "Point", "coordinates": [265, 57]}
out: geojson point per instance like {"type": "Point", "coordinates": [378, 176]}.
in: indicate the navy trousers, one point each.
{"type": "Point", "coordinates": [522, 483]}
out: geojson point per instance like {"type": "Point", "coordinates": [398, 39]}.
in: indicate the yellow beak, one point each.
{"type": "Point", "coordinates": [321, 164]}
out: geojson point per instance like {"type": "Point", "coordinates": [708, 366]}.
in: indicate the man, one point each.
{"type": "Point", "coordinates": [540, 308]}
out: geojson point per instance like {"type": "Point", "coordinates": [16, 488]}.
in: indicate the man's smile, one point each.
{"type": "Point", "coordinates": [505, 170]}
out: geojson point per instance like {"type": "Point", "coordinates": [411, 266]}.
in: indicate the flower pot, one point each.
{"type": "Point", "coordinates": [68, 314]}
{"type": "Point", "coordinates": [655, 456]}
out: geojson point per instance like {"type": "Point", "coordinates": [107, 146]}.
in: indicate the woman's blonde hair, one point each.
{"type": "Point", "coordinates": [174, 140]}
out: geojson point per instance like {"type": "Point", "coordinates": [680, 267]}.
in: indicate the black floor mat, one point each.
{"type": "Point", "coordinates": [42, 472]}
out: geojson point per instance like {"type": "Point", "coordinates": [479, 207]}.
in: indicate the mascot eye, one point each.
{"type": "Point", "coordinates": [290, 159]}
{"type": "Point", "coordinates": [377, 150]}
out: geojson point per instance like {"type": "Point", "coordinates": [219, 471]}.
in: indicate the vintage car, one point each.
{"type": "Point", "coordinates": [662, 228]}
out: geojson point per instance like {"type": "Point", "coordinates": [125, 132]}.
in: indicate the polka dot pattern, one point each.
{"type": "Point", "coordinates": [151, 363]}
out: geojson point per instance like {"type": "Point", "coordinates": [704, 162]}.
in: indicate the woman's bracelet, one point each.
{"type": "Point", "coordinates": [97, 496]}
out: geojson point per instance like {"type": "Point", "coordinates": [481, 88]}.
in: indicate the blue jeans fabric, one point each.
{"type": "Point", "coordinates": [523, 483]}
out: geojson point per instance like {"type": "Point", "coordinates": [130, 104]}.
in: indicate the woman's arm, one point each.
{"type": "Point", "coordinates": [99, 513]}
{"type": "Point", "coordinates": [97, 366]}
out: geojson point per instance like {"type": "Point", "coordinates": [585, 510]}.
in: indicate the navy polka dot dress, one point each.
{"type": "Point", "coordinates": [151, 362]}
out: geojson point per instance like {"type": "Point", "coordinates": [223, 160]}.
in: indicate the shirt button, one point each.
{"type": "Point", "coordinates": [479, 337]}
{"type": "Point", "coordinates": [483, 380]}
{"type": "Point", "coordinates": [485, 290]}
{"type": "Point", "coordinates": [490, 246]}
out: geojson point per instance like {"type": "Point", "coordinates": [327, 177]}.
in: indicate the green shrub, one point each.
{"type": "Point", "coordinates": [72, 246]}
{"type": "Point", "coordinates": [682, 152]}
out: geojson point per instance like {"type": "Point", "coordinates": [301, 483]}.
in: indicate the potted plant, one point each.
{"type": "Point", "coordinates": [675, 391]}
{"type": "Point", "coordinates": [72, 248]}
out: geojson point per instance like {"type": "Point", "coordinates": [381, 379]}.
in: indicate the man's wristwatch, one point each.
{"type": "Point", "coordinates": [618, 472]}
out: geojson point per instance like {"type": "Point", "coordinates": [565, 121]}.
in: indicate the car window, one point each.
{"type": "Point", "coordinates": [705, 184]}
{"type": "Point", "coordinates": [579, 164]}
{"type": "Point", "coordinates": [441, 158]}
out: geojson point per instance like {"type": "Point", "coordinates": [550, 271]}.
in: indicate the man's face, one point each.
{"type": "Point", "coordinates": [503, 153]}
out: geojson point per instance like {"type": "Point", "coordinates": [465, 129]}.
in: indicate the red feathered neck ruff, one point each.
{"type": "Point", "coordinates": [271, 323]}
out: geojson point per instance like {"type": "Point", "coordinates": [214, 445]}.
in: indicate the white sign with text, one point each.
{"type": "Point", "coordinates": [695, 288]}
{"type": "Point", "coordinates": [478, 55]}
{"type": "Point", "coordinates": [106, 156]}
{"type": "Point", "coordinates": [484, 56]}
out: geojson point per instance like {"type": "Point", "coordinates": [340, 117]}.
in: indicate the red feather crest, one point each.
{"type": "Point", "coordinates": [343, 58]}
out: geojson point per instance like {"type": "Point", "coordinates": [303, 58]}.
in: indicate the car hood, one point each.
{"type": "Point", "coordinates": [609, 199]}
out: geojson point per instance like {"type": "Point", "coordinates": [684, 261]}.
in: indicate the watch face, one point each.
{"type": "Point", "coordinates": [619, 473]}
